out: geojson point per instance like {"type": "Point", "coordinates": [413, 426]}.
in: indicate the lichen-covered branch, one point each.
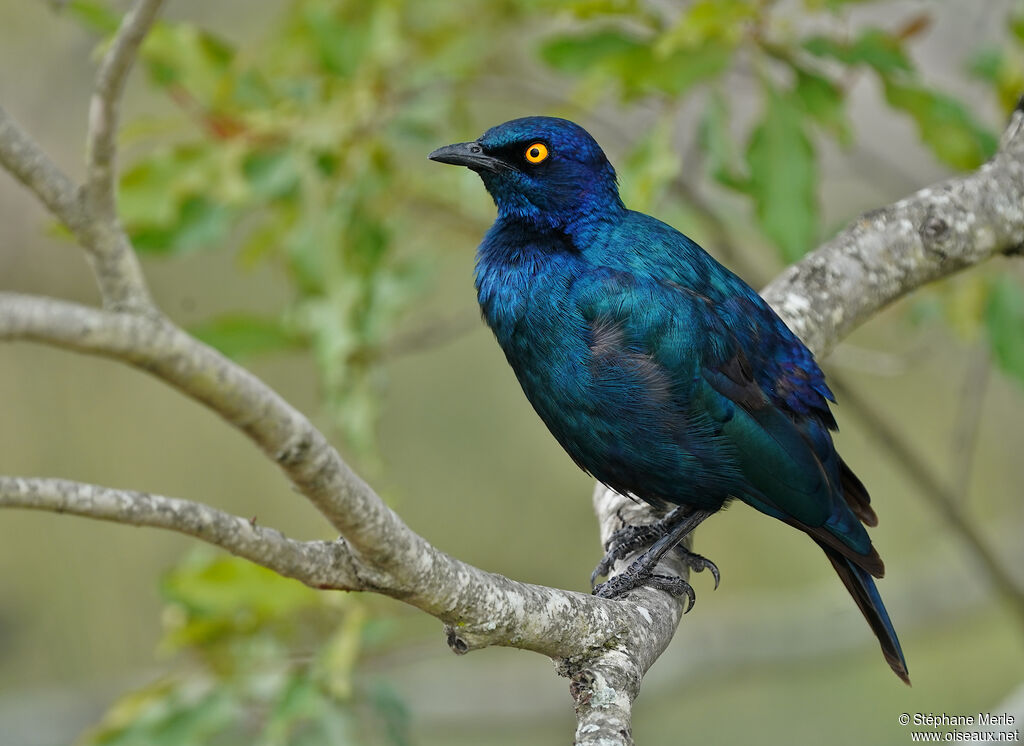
{"type": "Point", "coordinates": [886, 253]}
{"type": "Point", "coordinates": [117, 270]}
{"type": "Point", "coordinates": [382, 554]}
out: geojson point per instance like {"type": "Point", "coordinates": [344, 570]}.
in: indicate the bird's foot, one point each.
{"type": "Point", "coordinates": [628, 539]}
{"type": "Point", "coordinates": [699, 563]}
{"type": "Point", "coordinates": [623, 543]}
{"type": "Point", "coordinates": [635, 576]}
{"type": "Point", "coordinates": [659, 536]}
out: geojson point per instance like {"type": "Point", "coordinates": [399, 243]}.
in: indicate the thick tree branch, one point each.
{"type": "Point", "coordinates": [606, 682]}
{"type": "Point", "coordinates": [888, 252]}
{"type": "Point", "coordinates": [480, 608]}
{"type": "Point", "coordinates": [317, 563]}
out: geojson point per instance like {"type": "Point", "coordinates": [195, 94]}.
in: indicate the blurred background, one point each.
{"type": "Point", "coordinates": [275, 182]}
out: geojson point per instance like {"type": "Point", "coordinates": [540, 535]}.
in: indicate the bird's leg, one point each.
{"type": "Point", "coordinates": [675, 527]}
{"type": "Point", "coordinates": [628, 539]}
{"type": "Point", "coordinates": [624, 542]}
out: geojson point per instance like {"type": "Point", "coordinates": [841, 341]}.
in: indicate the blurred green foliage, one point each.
{"type": "Point", "coordinates": [270, 663]}
{"type": "Point", "coordinates": [290, 153]}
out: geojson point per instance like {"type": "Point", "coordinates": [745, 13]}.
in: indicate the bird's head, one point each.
{"type": "Point", "coordinates": [544, 170]}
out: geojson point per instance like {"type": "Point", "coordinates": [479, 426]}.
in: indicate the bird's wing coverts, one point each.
{"type": "Point", "coordinates": [782, 455]}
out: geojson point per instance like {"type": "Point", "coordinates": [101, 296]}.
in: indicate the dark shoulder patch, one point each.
{"type": "Point", "coordinates": [615, 360]}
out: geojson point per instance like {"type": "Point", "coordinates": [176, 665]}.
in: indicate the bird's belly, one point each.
{"type": "Point", "coordinates": [629, 431]}
{"type": "Point", "coordinates": [614, 429]}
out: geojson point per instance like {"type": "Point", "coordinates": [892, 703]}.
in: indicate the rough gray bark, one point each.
{"type": "Point", "coordinates": [886, 253]}
{"type": "Point", "coordinates": [604, 647]}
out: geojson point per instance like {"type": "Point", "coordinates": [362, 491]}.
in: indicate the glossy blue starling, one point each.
{"type": "Point", "coordinates": [659, 371]}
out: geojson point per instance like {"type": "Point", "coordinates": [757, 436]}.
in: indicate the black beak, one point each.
{"type": "Point", "coordinates": [468, 154]}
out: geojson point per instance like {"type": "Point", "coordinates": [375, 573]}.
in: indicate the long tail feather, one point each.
{"type": "Point", "coordinates": [861, 586]}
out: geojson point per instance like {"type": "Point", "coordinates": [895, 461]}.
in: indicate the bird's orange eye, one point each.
{"type": "Point", "coordinates": [537, 152]}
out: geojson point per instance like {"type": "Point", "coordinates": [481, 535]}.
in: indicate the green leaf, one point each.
{"type": "Point", "coordinates": [718, 144]}
{"type": "Point", "coordinates": [300, 708]}
{"type": "Point", "coordinates": [340, 42]}
{"type": "Point", "coordinates": [192, 59]}
{"type": "Point", "coordinates": [874, 47]}
{"type": "Point", "coordinates": [337, 658]}
{"type": "Point", "coordinates": [580, 53]}
{"type": "Point", "coordinates": [1004, 321]}
{"type": "Point", "coordinates": [986, 63]}
{"type": "Point", "coordinates": [650, 166]}
{"type": "Point", "coordinates": [1003, 69]}
{"type": "Point", "coordinates": [168, 714]}
{"type": "Point", "coordinates": [390, 707]}
{"type": "Point", "coordinates": [149, 190]}
{"type": "Point", "coordinates": [706, 20]}
{"type": "Point", "coordinates": [217, 597]}
{"type": "Point", "coordinates": [945, 125]}
{"type": "Point", "coordinates": [272, 174]}
{"type": "Point", "coordinates": [1017, 26]}
{"type": "Point", "coordinates": [96, 16]}
{"type": "Point", "coordinates": [634, 64]}
{"type": "Point", "coordinates": [169, 202]}
{"type": "Point", "coordinates": [833, 5]}
{"type": "Point", "coordinates": [822, 100]}
{"type": "Point", "coordinates": [783, 177]}
{"type": "Point", "coordinates": [240, 335]}
{"type": "Point", "coordinates": [200, 223]}
{"type": "Point", "coordinates": [681, 70]}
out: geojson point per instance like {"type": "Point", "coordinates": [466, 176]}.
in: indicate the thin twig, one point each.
{"type": "Point", "coordinates": [117, 270]}
{"type": "Point", "coordinates": [431, 334]}
{"type": "Point", "coordinates": [941, 497]}
{"type": "Point", "coordinates": [104, 108]}
{"type": "Point", "coordinates": [22, 157]}
{"type": "Point", "coordinates": [111, 254]}
{"type": "Point", "coordinates": [317, 563]}
{"type": "Point", "coordinates": [968, 421]}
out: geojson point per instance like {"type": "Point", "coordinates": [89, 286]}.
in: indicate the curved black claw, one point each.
{"type": "Point", "coordinates": [674, 585]}
{"type": "Point", "coordinates": [699, 563]}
